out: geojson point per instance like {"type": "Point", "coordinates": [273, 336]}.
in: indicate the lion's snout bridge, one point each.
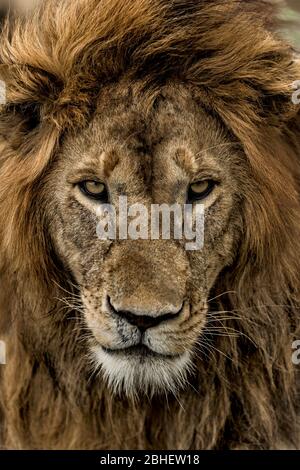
{"type": "Point", "coordinates": [140, 288]}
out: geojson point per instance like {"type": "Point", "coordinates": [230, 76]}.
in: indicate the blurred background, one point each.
{"type": "Point", "coordinates": [290, 16]}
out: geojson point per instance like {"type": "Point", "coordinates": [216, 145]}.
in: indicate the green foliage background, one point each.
{"type": "Point", "coordinates": [290, 16]}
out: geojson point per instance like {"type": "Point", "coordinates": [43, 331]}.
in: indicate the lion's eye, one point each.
{"type": "Point", "coordinates": [94, 190]}
{"type": "Point", "coordinates": [200, 190]}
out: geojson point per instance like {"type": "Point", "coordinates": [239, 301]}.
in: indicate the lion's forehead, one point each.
{"type": "Point", "coordinates": [151, 132]}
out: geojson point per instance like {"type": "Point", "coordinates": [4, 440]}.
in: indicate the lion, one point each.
{"type": "Point", "coordinates": [142, 344]}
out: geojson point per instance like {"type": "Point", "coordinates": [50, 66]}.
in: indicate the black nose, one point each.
{"type": "Point", "coordinates": [143, 322]}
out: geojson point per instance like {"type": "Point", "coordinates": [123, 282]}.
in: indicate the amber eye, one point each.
{"type": "Point", "coordinates": [94, 190]}
{"type": "Point", "coordinates": [200, 190]}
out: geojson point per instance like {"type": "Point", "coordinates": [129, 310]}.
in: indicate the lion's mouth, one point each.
{"type": "Point", "coordinates": [139, 350]}
{"type": "Point", "coordinates": [138, 369]}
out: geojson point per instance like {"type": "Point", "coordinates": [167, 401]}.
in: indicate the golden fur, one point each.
{"type": "Point", "coordinates": [62, 67]}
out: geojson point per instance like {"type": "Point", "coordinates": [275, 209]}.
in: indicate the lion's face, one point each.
{"type": "Point", "coordinates": [144, 302]}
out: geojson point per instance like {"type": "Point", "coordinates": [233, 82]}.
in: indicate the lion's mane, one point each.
{"type": "Point", "coordinates": [54, 62]}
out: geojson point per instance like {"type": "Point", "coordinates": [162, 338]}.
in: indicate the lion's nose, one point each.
{"type": "Point", "coordinates": [143, 320]}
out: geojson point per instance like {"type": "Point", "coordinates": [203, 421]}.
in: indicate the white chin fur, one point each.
{"type": "Point", "coordinates": [136, 375]}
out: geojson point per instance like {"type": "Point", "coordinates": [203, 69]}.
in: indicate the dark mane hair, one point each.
{"type": "Point", "coordinates": [54, 63]}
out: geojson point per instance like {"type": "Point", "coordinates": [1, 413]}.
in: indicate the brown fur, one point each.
{"type": "Point", "coordinates": [62, 68]}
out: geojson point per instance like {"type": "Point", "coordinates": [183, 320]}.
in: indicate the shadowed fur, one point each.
{"type": "Point", "coordinates": [136, 75]}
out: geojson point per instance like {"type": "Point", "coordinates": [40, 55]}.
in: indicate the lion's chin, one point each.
{"type": "Point", "coordinates": [134, 372]}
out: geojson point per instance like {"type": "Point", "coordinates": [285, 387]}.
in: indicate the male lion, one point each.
{"type": "Point", "coordinates": [141, 343]}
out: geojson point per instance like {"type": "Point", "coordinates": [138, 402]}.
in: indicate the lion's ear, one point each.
{"type": "Point", "coordinates": [36, 96]}
{"type": "Point", "coordinates": [26, 125]}
{"type": "Point", "coordinates": [21, 98]}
